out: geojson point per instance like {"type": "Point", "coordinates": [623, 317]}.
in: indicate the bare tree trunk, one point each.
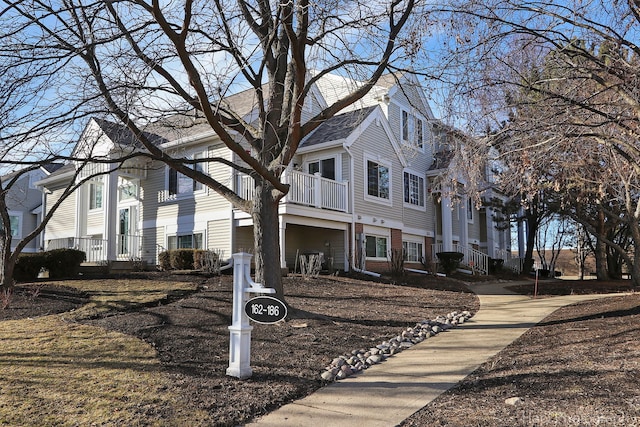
{"type": "Point", "coordinates": [8, 264]}
{"type": "Point", "coordinates": [600, 252]}
{"type": "Point", "coordinates": [266, 233]}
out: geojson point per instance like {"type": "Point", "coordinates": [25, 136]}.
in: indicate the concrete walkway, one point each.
{"type": "Point", "coordinates": [386, 394]}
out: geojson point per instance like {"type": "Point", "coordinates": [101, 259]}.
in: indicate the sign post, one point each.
{"type": "Point", "coordinates": [240, 329]}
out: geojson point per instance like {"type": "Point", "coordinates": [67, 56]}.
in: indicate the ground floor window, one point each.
{"type": "Point", "coordinates": [185, 241]}
{"type": "Point", "coordinates": [412, 251]}
{"type": "Point", "coordinates": [376, 247]}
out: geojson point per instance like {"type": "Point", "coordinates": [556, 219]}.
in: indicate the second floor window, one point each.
{"type": "Point", "coordinates": [182, 184]}
{"type": "Point", "coordinates": [95, 193]}
{"type": "Point", "coordinates": [413, 189]}
{"type": "Point", "coordinates": [326, 167]}
{"type": "Point", "coordinates": [377, 180]}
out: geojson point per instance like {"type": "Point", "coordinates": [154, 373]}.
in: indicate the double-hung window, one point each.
{"type": "Point", "coordinates": [376, 247]}
{"type": "Point", "coordinates": [412, 251]}
{"type": "Point", "coordinates": [15, 224]}
{"type": "Point", "coordinates": [413, 189]}
{"type": "Point", "coordinates": [181, 184]}
{"type": "Point", "coordinates": [378, 180]}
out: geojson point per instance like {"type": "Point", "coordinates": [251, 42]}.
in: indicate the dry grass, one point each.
{"type": "Point", "coordinates": [123, 295]}
{"type": "Point", "coordinates": [54, 371]}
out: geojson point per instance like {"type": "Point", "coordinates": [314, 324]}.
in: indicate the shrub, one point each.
{"type": "Point", "coordinates": [63, 262]}
{"type": "Point", "coordinates": [450, 261]}
{"type": "Point", "coordinates": [396, 262]}
{"type": "Point", "coordinates": [181, 259]}
{"type": "Point", "coordinates": [495, 265]}
{"type": "Point", "coordinates": [207, 261]}
{"type": "Point", "coordinates": [164, 260]}
{"type": "Point", "coordinates": [28, 266]}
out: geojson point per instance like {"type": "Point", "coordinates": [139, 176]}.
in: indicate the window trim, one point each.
{"type": "Point", "coordinates": [376, 237]}
{"type": "Point", "coordinates": [95, 183]}
{"type": "Point", "coordinates": [19, 218]}
{"type": "Point", "coordinates": [406, 243]}
{"type": "Point", "coordinates": [408, 204]}
{"type": "Point", "coordinates": [470, 211]}
{"type": "Point", "coordinates": [410, 133]}
{"type": "Point", "coordinates": [172, 177]}
{"type": "Point", "coordinates": [177, 236]}
{"type": "Point", "coordinates": [376, 199]}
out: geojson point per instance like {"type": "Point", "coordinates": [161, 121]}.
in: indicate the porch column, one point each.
{"type": "Point", "coordinates": [447, 225]}
{"type": "Point", "coordinates": [464, 222]}
{"type": "Point", "coordinates": [521, 238]}
{"type": "Point", "coordinates": [283, 247]}
{"type": "Point", "coordinates": [491, 233]}
{"type": "Point", "coordinates": [111, 214]}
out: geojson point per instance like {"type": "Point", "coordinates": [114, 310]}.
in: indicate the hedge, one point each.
{"type": "Point", "coordinates": [450, 261]}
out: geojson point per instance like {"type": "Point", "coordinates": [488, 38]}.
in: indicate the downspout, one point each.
{"type": "Point", "coordinates": [353, 216]}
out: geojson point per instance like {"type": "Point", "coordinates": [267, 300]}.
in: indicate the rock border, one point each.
{"type": "Point", "coordinates": [346, 365]}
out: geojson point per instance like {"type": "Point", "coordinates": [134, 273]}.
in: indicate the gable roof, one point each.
{"type": "Point", "coordinates": [338, 127]}
{"type": "Point", "coordinates": [122, 135]}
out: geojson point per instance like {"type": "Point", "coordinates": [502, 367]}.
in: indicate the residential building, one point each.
{"type": "Point", "coordinates": [359, 188]}
{"type": "Point", "coordinates": [24, 203]}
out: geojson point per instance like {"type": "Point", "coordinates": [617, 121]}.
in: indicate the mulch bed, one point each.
{"type": "Point", "coordinates": [581, 362]}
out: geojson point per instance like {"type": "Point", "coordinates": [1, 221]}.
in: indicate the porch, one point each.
{"type": "Point", "coordinates": [305, 189]}
{"type": "Point", "coordinates": [127, 247]}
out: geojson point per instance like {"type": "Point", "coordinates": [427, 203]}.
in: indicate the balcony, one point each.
{"type": "Point", "coordinates": [306, 189]}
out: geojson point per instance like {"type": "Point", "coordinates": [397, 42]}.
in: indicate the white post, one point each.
{"type": "Point", "coordinates": [240, 329]}
{"type": "Point", "coordinates": [447, 224]}
{"type": "Point", "coordinates": [317, 189]}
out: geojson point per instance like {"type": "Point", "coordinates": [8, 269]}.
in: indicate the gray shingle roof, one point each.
{"type": "Point", "coordinates": [338, 127]}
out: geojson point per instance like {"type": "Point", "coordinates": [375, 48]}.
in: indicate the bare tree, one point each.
{"type": "Point", "coordinates": [555, 83]}
{"type": "Point", "coordinates": [144, 62]}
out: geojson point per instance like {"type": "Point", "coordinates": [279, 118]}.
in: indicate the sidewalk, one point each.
{"type": "Point", "coordinates": [386, 394]}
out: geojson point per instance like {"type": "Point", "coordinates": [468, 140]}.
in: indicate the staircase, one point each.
{"type": "Point", "coordinates": [477, 261]}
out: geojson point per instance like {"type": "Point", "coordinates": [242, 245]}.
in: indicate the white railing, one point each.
{"type": "Point", "coordinates": [128, 246]}
{"type": "Point", "coordinates": [305, 189]}
{"type": "Point", "coordinates": [95, 249]}
{"type": "Point", "coordinates": [478, 261]}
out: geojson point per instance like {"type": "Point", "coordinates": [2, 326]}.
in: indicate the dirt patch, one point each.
{"type": "Point", "coordinates": [581, 363]}
{"type": "Point", "coordinates": [572, 287]}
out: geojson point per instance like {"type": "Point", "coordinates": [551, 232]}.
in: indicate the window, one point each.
{"type": "Point", "coordinates": [412, 130]}
{"type": "Point", "coordinates": [376, 247]}
{"type": "Point", "coordinates": [405, 126]}
{"type": "Point", "coordinates": [419, 133]}
{"type": "Point", "coordinates": [377, 180]}
{"type": "Point", "coordinates": [470, 209]}
{"type": "Point", "coordinates": [185, 241]}
{"type": "Point", "coordinates": [326, 167]}
{"type": "Point", "coordinates": [412, 251]}
{"type": "Point", "coordinates": [413, 189]}
{"type": "Point", "coordinates": [182, 184]}
{"type": "Point", "coordinates": [95, 194]}
{"type": "Point", "coordinates": [127, 191]}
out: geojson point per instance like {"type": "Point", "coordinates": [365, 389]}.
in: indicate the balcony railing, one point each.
{"type": "Point", "coordinates": [306, 189]}
{"type": "Point", "coordinates": [96, 250]}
